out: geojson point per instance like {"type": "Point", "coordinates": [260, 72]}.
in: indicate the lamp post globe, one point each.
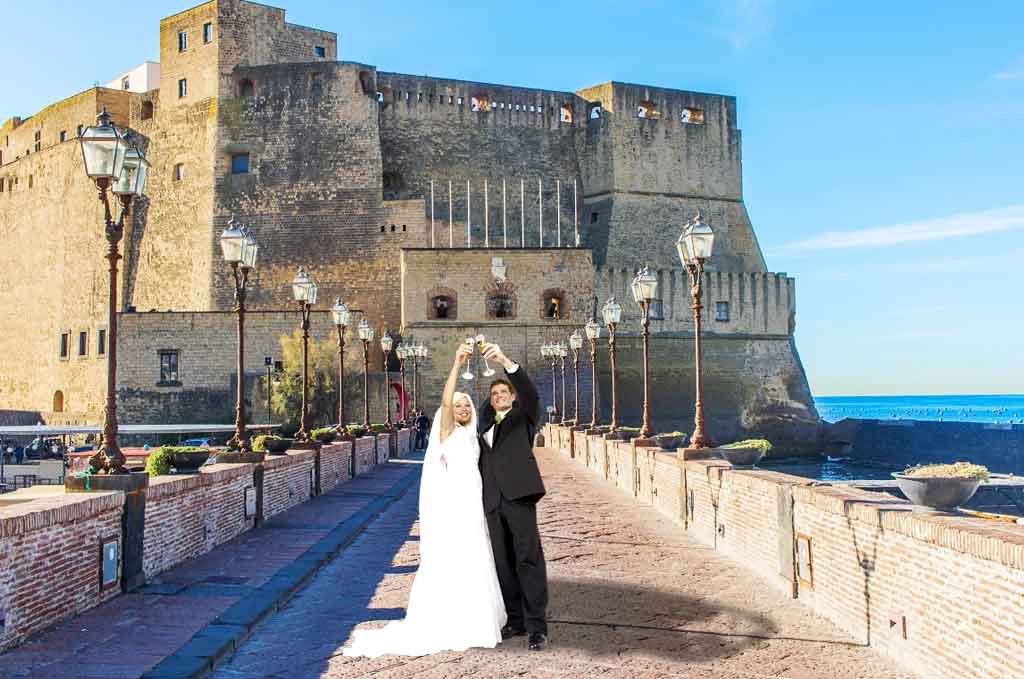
{"type": "Point", "coordinates": [103, 150]}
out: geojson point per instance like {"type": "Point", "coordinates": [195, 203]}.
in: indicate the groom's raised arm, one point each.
{"type": "Point", "coordinates": [526, 392]}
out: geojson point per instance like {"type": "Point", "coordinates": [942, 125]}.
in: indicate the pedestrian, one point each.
{"type": "Point", "coordinates": [422, 429]}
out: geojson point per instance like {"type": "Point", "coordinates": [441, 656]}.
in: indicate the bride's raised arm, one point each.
{"type": "Point", "coordinates": [447, 398]}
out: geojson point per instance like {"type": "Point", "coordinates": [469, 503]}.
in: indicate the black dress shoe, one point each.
{"type": "Point", "coordinates": [509, 631]}
{"type": "Point", "coordinates": [537, 641]}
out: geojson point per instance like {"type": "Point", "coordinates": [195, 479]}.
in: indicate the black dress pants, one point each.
{"type": "Point", "coordinates": [519, 559]}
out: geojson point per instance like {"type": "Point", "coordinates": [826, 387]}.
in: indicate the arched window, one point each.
{"type": "Point", "coordinates": [147, 110]}
{"type": "Point", "coordinates": [58, 401]}
{"type": "Point", "coordinates": [246, 88]}
{"type": "Point", "coordinates": [648, 109]}
{"type": "Point", "coordinates": [480, 103]}
{"type": "Point", "coordinates": [595, 111]}
{"type": "Point", "coordinates": [442, 305]}
{"type": "Point", "coordinates": [554, 304]}
{"type": "Point", "coordinates": [501, 301]}
{"type": "Point", "coordinates": [394, 184]}
{"type": "Point", "coordinates": [565, 113]}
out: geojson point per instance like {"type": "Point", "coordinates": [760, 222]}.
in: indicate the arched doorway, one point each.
{"type": "Point", "coordinates": [58, 401]}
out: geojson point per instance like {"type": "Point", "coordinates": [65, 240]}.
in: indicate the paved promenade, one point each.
{"type": "Point", "coordinates": [631, 598]}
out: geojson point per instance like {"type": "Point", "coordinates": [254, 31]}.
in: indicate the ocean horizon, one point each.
{"type": "Point", "coordinates": [988, 408]}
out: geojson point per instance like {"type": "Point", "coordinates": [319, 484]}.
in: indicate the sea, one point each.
{"type": "Point", "coordinates": [998, 408]}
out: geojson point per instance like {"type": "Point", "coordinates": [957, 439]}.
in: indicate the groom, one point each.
{"type": "Point", "coordinates": [512, 486]}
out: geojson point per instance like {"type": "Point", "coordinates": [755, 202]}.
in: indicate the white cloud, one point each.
{"type": "Point", "coordinates": [1009, 218]}
{"type": "Point", "coordinates": [1014, 71]}
{"type": "Point", "coordinates": [745, 20]}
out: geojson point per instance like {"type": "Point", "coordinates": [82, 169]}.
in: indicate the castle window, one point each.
{"type": "Point", "coordinates": [442, 305]}
{"type": "Point", "coordinates": [182, 41]}
{"type": "Point", "coordinates": [147, 110]}
{"type": "Point", "coordinates": [207, 33]}
{"type": "Point", "coordinates": [383, 228]}
{"type": "Point", "coordinates": [125, 84]}
{"type": "Point", "coordinates": [392, 228]}
{"type": "Point", "coordinates": [451, 100]}
{"type": "Point", "coordinates": [168, 366]}
{"type": "Point", "coordinates": [692, 116]}
{"type": "Point", "coordinates": [239, 163]}
{"type": "Point", "coordinates": [532, 109]}
{"type": "Point", "coordinates": [648, 109]}
{"type": "Point", "coordinates": [182, 88]}
{"type": "Point", "coordinates": [565, 114]}
{"type": "Point", "coordinates": [419, 96]}
{"type": "Point", "coordinates": [246, 88]}
{"type": "Point", "coordinates": [58, 401]}
{"type": "Point", "coordinates": [480, 103]}
{"type": "Point", "coordinates": [460, 101]}
{"type": "Point", "coordinates": [595, 111]}
{"type": "Point", "coordinates": [553, 306]}
{"type": "Point", "coordinates": [83, 343]}
{"type": "Point", "coordinates": [403, 228]}
{"type": "Point", "coordinates": [30, 181]}
{"type": "Point", "coordinates": [63, 135]}
{"type": "Point", "coordinates": [101, 342]}
{"type": "Point", "coordinates": [722, 311]}
{"type": "Point", "coordinates": [179, 172]}
{"type": "Point", "coordinates": [500, 305]}
{"type": "Point", "coordinates": [593, 218]}
{"type": "Point", "coordinates": [320, 52]}
{"type": "Point", "coordinates": [78, 131]}
{"type": "Point", "coordinates": [65, 344]}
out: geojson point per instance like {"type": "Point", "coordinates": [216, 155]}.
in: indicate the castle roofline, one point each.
{"type": "Point", "coordinates": [59, 102]}
{"type": "Point", "coordinates": [189, 9]}
{"type": "Point", "coordinates": [659, 87]}
{"type": "Point", "coordinates": [475, 82]}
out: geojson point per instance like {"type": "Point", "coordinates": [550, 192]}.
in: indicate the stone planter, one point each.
{"type": "Point", "coordinates": [936, 492]}
{"type": "Point", "coordinates": [670, 442]}
{"type": "Point", "coordinates": [189, 462]}
{"type": "Point", "coordinates": [277, 446]}
{"type": "Point", "coordinates": [741, 457]}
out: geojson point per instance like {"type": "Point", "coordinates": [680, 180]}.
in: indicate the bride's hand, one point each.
{"type": "Point", "coordinates": [463, 353]}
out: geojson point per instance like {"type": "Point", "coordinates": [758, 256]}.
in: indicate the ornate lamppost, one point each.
{"type": "Point", "coordinates": [549, 352]}
{"type": "Point", "coordinates": [645, 290]}
{"type": "Point", "coordinates": [403, 353]}
{"type": "Point", "coordinates": [304, 292]}
{"type": "Point", "coordinates": [116, 165]}
{"type": "Point", "coordinates": [593, 334]}
{"type": "Point", "coordinates": [562, 351]}
{"type": "Point", "coordinates": [418, 351]}
{"type": "Point", "coordinates": [611, 313]}
{"type": "Point", "coordinates": [576, 343]}
{"type": "Point", "coordinates": [340, 314]}
{"type": "Point", "coordinates": [386, 344]}
{"type": "Point", "coordinates": [694, 246]}
{"type": "Point", "coordinates": [239, 248]}
{"type": "Point", "coordinates": [366, 335]}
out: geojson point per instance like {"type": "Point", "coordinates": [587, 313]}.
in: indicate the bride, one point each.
{"type": "Point", "coordinates": [455, 602]}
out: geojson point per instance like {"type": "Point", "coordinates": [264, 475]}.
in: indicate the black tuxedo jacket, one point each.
{"type": "Point", "coordinates": [508, 467]}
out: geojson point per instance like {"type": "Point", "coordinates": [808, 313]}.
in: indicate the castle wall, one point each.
{"type": "Point", "coordinates": [55, 277]}
{"type": "Point", "coordinates": [429, 131]}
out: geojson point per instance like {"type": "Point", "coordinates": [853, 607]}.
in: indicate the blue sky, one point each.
{"type": "Point", "coordinates": [882, 142]}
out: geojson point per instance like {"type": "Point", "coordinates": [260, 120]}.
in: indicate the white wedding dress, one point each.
{"type": "Point", "coordinates": [455, 602]}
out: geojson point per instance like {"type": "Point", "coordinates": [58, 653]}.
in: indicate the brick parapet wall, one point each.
{"type": "Point", "coordinates": [60, 534]}
{"type": "Point", "coordinates": [335, 465]}
{"type": "Point", "coordinates": [189, 515]}
{"type": "Point", "coordinates": [383, 448]}
{"type": "Point", "coordinates": [939, 593]}
{"type": "Point", "coordinates": [404, 442]}
{"type": "Point", "coordinates": [366, 453]}
{"type": "Point", "coordinates": [287, 481]}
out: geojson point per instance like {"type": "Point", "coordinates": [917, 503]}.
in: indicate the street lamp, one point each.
{"type": "Point", "coordinates": [386, 344]}
{"type": "Point", "coordinates": [645, 289]}
{"type": "Point", "coordinates": [366, 335]}
{"type": "Point", "coordinates": [340, 314]}
{"type": "Point", "coordinates": [417, 352]}
{"type": "Point", "coordinates": [576, 343]}
{"type": "Point", "coordinates": [561, 351]}
{"type": "Point", "coordinates": [403, 353]}
{"type": "Point", "coordinates": [116, 164]}
{"type": "Point", "coordinates": [239, 248]}
{"type": "Point", "coordinates": [549, 352]}
{"type": "Point", "coordinates": [593, 334]}
{"type": "Point", "coordinates": [268, 361]}
{"type": "Point", "coordinates": [304, 292]}
{"type": "Point", "coordinates": [694, 246]}
{"type": "Point", "coordinates": [611, 314]}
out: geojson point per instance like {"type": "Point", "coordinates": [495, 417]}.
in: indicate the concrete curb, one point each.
{"type": "Point", "coordinates": [219, 639]}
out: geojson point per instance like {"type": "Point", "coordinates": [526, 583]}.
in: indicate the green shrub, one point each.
{"type": "Point", "coordinates": [378, 428]}
{"type": "Point", "coordinates": [259, 443]}
{"type": "Point", "coordinates": [672, 433]}
{"type": "Point", "coordinates": [356, 430]}
{"type": "Point", "coordinates": [957, 470]}
{"type": "Point", "coordinates": [324, 435]}
{"type": "Point", "coordinates": [159, 462]}
{"type": "Point", "coordinates": [764, 445]}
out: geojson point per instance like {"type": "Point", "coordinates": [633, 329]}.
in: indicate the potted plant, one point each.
{"type": "Point", "coordinates": [269, 443]}
{"type": "Point", "coordinates": [324, 435]}
{"type": "Point", "coordinates": [180, 458]}
{"type": "Point", "coordinates": [670, 440]}
{"type": "Point", "coordinates": [745, 453]}
{"type": "Point", "coordinates": [941, 486]}
{"type": "Point", "coordinates": [357, 430]}
{"type": "Point", "coordinates": [626, 433]}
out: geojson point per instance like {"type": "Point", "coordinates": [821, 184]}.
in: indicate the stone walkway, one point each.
{"type": "Point", "coordinates": [631, 597]}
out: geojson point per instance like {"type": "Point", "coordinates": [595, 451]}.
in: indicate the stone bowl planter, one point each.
{"type": "Point", "coordinates": [189, 461]}
{"type": "Point", "coordinates": [277, 446]}
{"type": "Point", "coordinates": [742, 457]}
{"type": "Point", "coordinates": [670, 442]}
{"type": "Point", "coordinates": [325, 437]}
{"type": "Point", "coordinates": [937, 492]}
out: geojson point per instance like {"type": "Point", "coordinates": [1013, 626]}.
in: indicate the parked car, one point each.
{"type": "Point", "coordinates": [199, 442]}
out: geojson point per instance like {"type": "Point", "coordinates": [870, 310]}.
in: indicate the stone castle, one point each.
{"type": "Point", "coordinates": [438, 208]}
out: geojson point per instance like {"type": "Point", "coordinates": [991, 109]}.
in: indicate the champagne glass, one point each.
{"type": "Point", "coordinates": [488, 370]}
{"type": "Point", "coordinates": [468, 375]}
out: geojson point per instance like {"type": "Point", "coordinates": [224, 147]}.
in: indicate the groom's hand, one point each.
{"type": "Point", "coordinates": [493, 352]}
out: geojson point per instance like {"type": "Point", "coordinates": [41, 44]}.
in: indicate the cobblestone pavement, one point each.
{"type": "Point", "coordinates": [631, 597]}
